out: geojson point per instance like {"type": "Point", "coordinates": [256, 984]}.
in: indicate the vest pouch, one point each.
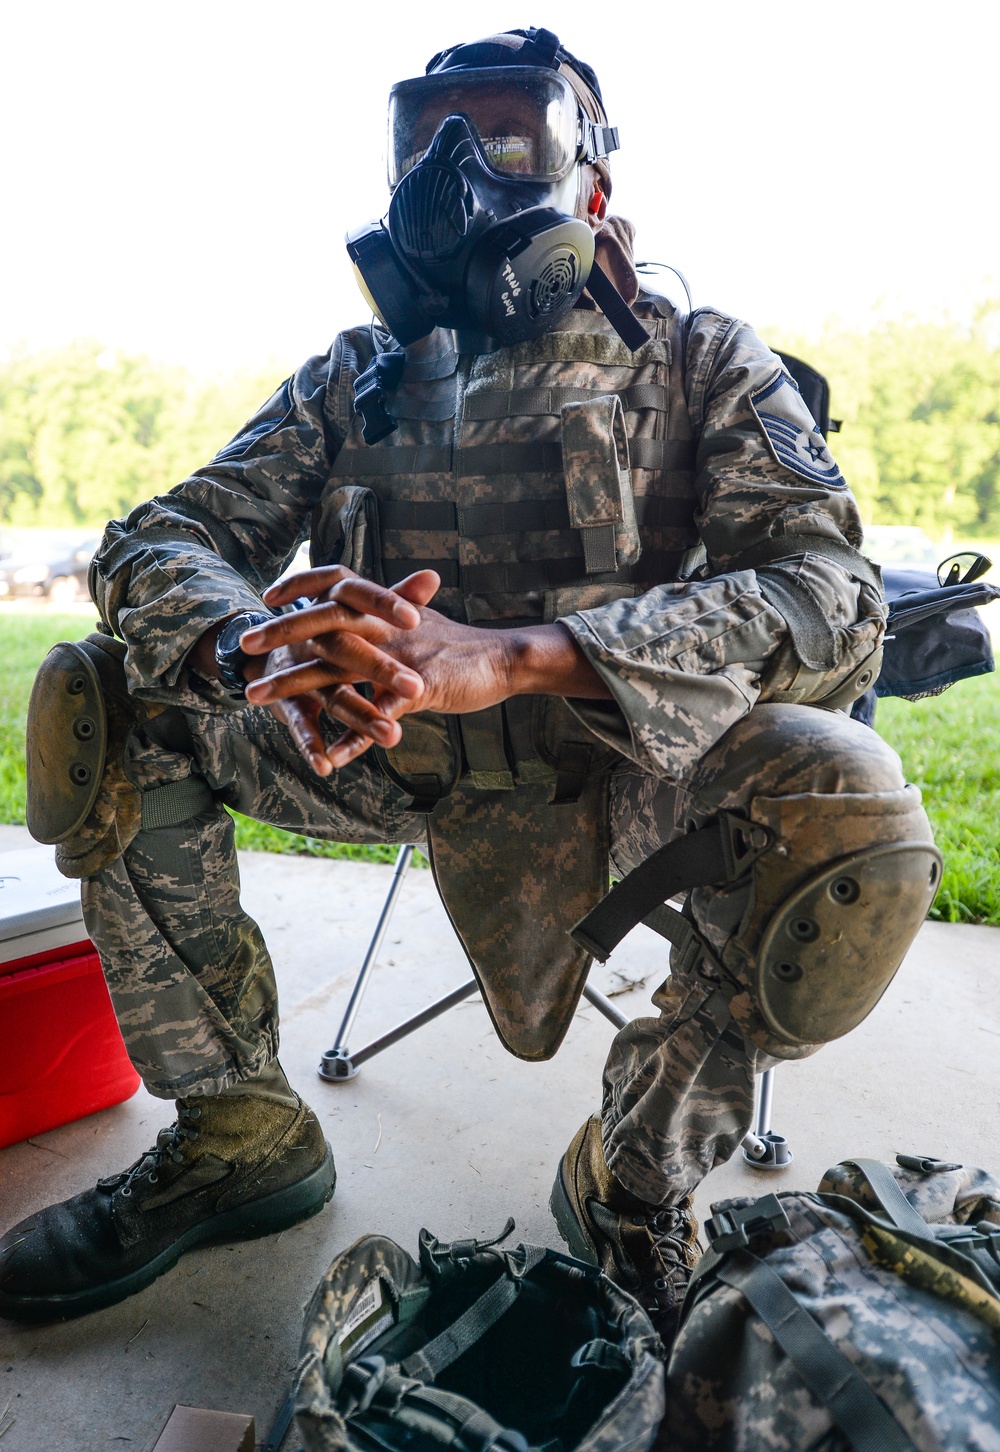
{"type": "Point", "coordinates": [346, 531]}
{"type": "Point", "coordinates": [598, 481]}
{"type": "Point", "coordinates": [427, 763]}
{"type": "Point", "coordinates": [566, 747]}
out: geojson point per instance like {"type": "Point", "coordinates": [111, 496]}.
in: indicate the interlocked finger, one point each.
{"type": "Point", "coordinates": [353, 710]}
{"type": "Point", "coordinates": [350, 659]}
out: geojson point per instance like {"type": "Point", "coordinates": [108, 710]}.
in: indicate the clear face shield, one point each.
{"type": "Point", "coordinates": [482, 233]}
{"type": "Point", "coordinates": [527, 121]}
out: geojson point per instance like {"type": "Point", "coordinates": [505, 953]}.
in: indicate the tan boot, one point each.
{"type": "Point", "coordinates": [235, 1165]}
{"type": "Point", "coordinates": [648, 1250]}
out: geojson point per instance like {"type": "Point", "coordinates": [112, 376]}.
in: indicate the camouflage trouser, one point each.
{"type": "Point", "coordinates": [192, 981]}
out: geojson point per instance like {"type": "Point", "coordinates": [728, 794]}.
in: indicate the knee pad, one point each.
{"type": "Point", "coordinates": [837, 900]}
{"type": "Point", "coordinates": [79, 719]}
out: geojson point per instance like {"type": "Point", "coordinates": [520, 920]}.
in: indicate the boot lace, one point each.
{"type": "Point", "coordinates": [671, 1250]}
{"type": "Point", "coordinates": [167, 1149]}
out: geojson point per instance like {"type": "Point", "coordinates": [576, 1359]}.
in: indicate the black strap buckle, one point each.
{"type": "Point", "coordinates": [731, 1228]}
{"type": "Point", "coordinates": [370, 389]}
{"type": "Point", "coordinates": [601, 141]}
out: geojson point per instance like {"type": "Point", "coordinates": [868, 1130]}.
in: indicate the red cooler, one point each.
{"type": "Point", "coordinates": [61, 1054]}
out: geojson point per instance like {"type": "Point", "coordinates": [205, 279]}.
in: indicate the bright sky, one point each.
{"type": "Point", "coordinates": [178, 177]}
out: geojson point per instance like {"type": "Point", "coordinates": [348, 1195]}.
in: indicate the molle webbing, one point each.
{"type": "Point", "coordinates": [490, 460]}
{"type": "Point", "coordinates": [499, 578]}
{"type": "Point", "coordinates": [535, 402]}
{"type": "Point", "coordinates": [518, 516]}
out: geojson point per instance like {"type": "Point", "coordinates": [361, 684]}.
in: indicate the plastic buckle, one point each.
{"type": "Point", "coordinates": [743, 842]}
{"type": "Point", "coordinates": [361, 1381]}
{"type": "Point", "coordinates": [370, 388]}
{"type": "Point", "coordinates": [731, 1229]}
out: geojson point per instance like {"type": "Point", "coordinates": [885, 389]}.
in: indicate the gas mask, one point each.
{"type": "Point", "coordinates": [481, 234]}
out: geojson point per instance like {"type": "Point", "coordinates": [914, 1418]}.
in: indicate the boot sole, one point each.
{"type": "Point", "coordinates": [567, 1222]}
{"type": "Point", "coordinates": [274, 1212]}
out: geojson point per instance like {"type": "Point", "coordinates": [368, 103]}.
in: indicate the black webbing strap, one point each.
{"type": "Point", "coordinates": [537, 402]}
{"type": "Point", "coordinates": [489, 460]}
{"type": "Point", "coordinates": [661, 454]}
{"type": "Point", "coordinates": [692, 861]}
{"type": "Point", "coordinates": [502, 578]}
{"type": "Point", "coordinates": [891, 1198]}
{"type": "Point", "coordinates": [616, 309]}
{"type": "Point", "coordinates": [485, 753]}
{"type": "Point", "coordinates": [178, 801]}
{"type": "Point", "coordinates": [719, 853]}
{"type": "Point", "coordinates": [599, 552]}
{"type": "Point", "coordinates": [825, 1370]}
{"type": "Point", "coordinates": [395, 459]}
{"type": "Point", "coordinates": [395, 570]}
{"type": "Point", "coordinates": [428, 1363]}
{"type": "Point", "coordinates": [654, 510]}
{"type": "Point", "coordinates": [441, 516]}
{"type": "Point", "coordinates": [516, 517]}
{"type": "Point", "coordinates": [473, 521]}
{"type": "Point", "coordinates": [769, 551]}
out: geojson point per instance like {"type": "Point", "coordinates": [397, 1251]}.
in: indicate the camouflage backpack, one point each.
{"type": "Point", "coordinates": [476, 1349]}
{"type": "Point", "coordinates": [866, 1315]}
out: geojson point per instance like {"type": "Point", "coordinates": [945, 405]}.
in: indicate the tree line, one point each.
{"type": "Point", "coordinates": [85, 434]}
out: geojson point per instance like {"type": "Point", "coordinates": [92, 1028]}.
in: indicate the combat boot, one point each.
{"type": "Point", "coordinates": [235, 1165]}
{"type": "Point", "coordinates": [648, 1250]}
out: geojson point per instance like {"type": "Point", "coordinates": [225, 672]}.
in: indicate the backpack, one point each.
{"type": "Point", "coordinates": [476, 1349]}
{"type": "Point", "coordinates": [864, 1316]}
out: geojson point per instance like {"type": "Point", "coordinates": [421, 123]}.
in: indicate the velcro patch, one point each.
{"type": "Point", "coordinates": [792, 435]}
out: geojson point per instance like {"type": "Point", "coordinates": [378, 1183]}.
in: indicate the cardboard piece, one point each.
{"type": "Point", "coordinates": [193, 1429]}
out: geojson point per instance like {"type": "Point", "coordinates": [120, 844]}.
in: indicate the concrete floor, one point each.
{"type": "Point", "coordinates": [445, 1130]}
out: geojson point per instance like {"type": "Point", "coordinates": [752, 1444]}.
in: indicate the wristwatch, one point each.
{"type": "Point", "coordinates": [230, 660]}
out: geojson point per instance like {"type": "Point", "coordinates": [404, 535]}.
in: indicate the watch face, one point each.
{"type": "Point", "coordinates": [230, 659]}
{"type": "Point", "coordinates": [228, 642]}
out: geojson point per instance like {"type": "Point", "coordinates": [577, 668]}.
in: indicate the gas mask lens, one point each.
{"type": "Point", "coordinates": [527, 120]}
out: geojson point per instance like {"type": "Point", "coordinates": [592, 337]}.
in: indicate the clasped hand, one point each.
{"type": "Point", "coordinates": [414, 658]}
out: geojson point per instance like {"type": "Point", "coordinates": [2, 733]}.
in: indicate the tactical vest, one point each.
{"type": "Point", "coordinates": [541, 479]}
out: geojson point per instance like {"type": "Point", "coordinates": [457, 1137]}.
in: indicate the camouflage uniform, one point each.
{"type": "Point", "coordinates": [680, 601]}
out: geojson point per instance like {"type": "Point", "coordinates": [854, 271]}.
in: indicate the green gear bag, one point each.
{"type": "Point", "coordinates": [476, 1349]}
{"type": "Point", "coordinates": [864, 1316]}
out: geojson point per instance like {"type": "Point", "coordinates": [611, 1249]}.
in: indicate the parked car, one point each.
{"type": "Point", "coordinates": [902, 545]}
{"type": "Point", "coordinates": [57, 572]}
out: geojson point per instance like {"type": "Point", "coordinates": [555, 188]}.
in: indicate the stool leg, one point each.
{"type": "Point", "coordinates": [762, 1148]}
{"type": "Point", "coordinates": [336, 1064]}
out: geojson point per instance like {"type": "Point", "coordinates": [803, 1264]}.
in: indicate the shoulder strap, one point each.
{"type": "Point", "coordinates": [427, 1364]}
{"type": "Point", "coordinates": [832, 1379]}
{"type": "Point", "coordinates": [890, 1197]}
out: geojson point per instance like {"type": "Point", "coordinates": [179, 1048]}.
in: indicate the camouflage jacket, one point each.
{"type": "Point", "coordinates": [719, 471]}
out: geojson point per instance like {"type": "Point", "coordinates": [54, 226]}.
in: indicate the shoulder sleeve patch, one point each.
{"type": "Point", "coordinates": [792, 435]}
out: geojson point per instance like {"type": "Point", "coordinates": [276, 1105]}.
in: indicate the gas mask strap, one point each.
{"type": "Point", "coordinates": [616, 309]}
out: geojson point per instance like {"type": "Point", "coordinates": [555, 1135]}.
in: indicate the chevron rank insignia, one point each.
{"type": "Point", "coordinates": [792, 435]}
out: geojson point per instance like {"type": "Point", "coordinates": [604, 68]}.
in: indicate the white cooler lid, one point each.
{"type": "Point", "coordinates": [39, 908]}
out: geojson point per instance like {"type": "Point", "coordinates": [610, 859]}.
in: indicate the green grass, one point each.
{"type": "Point", "coordinates": [950, 746]}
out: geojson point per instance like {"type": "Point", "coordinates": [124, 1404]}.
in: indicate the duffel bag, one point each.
{"type": "Point", "coordinates": [864, 1316]}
